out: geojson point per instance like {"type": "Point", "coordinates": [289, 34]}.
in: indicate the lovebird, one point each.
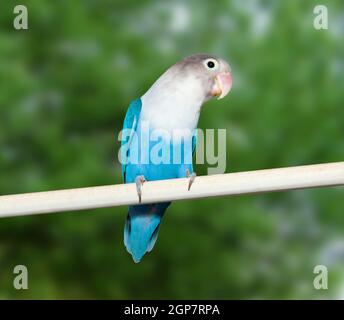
{"type": "Point", "coordinates": [167, 114]}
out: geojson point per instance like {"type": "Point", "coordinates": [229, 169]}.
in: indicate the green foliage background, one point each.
{"type": "Point", "coordinates": [65, 85]}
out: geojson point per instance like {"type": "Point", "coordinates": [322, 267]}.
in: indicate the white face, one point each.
{"type": "Point", "coordinates": [213, 73]}
{"type": "Point", "coordinates": [175, 99]}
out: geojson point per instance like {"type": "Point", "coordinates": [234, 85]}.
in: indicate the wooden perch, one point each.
{"type": "Point", "coordinates": [281, 179]}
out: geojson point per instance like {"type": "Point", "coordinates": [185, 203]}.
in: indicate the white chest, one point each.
{"type": "Point", "coordinates": [172, 106]}
{"type": "Point", "coordinates": [170, 116]}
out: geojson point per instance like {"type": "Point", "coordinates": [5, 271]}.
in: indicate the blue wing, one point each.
{"type": "Point", "coordinates": [143, 221]}
{"type": "Point", "coordinates": [194, 142]}
{"type": "Point", "coordinates": [130, 122]}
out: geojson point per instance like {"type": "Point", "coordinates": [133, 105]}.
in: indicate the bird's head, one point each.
{"type": "Point", "coordinates": [207, 72]}
{"type": "Point", "coordinates": [177, 95]}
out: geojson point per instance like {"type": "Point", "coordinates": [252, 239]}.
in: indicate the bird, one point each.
{"type": "Point", "coordinates": [171, 108]}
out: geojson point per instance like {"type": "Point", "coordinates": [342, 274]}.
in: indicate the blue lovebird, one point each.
{"type": "Point", "coordinates": [169, 110]}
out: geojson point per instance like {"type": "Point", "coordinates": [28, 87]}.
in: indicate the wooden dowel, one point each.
{"type": "Point", "coordinates": [310, 176]}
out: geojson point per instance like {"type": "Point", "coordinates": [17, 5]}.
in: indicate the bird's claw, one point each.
{"type": "Point", "coordinates": [191, 177]}
{"type": "Point", "coordinates": [139, 183]}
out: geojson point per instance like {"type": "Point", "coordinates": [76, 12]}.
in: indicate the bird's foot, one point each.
{"type": "Point", "coordinates": [139, 180]}
{"type": "Point", "coordinates": [191, 177]}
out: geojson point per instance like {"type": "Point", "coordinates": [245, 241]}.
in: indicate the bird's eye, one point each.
{"type": "Point", "coordinates": [211, 64]}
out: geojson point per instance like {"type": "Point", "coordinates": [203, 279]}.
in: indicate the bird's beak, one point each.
{"type": "Point", "coordinates": [222, 85]}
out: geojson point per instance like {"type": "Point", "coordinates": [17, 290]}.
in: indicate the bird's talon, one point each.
{"type": "Point", "coordinates": [139, 183]}
{"type": "Point", "coordinates": [191, 177]}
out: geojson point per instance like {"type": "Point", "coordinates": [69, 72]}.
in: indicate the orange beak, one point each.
{"type": "Point", "coordinates": [223, 84]}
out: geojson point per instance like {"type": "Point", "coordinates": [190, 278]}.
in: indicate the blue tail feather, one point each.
{"type": "Point", "coordinates": [142, 227]}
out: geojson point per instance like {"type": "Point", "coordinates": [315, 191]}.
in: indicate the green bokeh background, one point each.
{"type": "Point", "coordinates": [65, 85]}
